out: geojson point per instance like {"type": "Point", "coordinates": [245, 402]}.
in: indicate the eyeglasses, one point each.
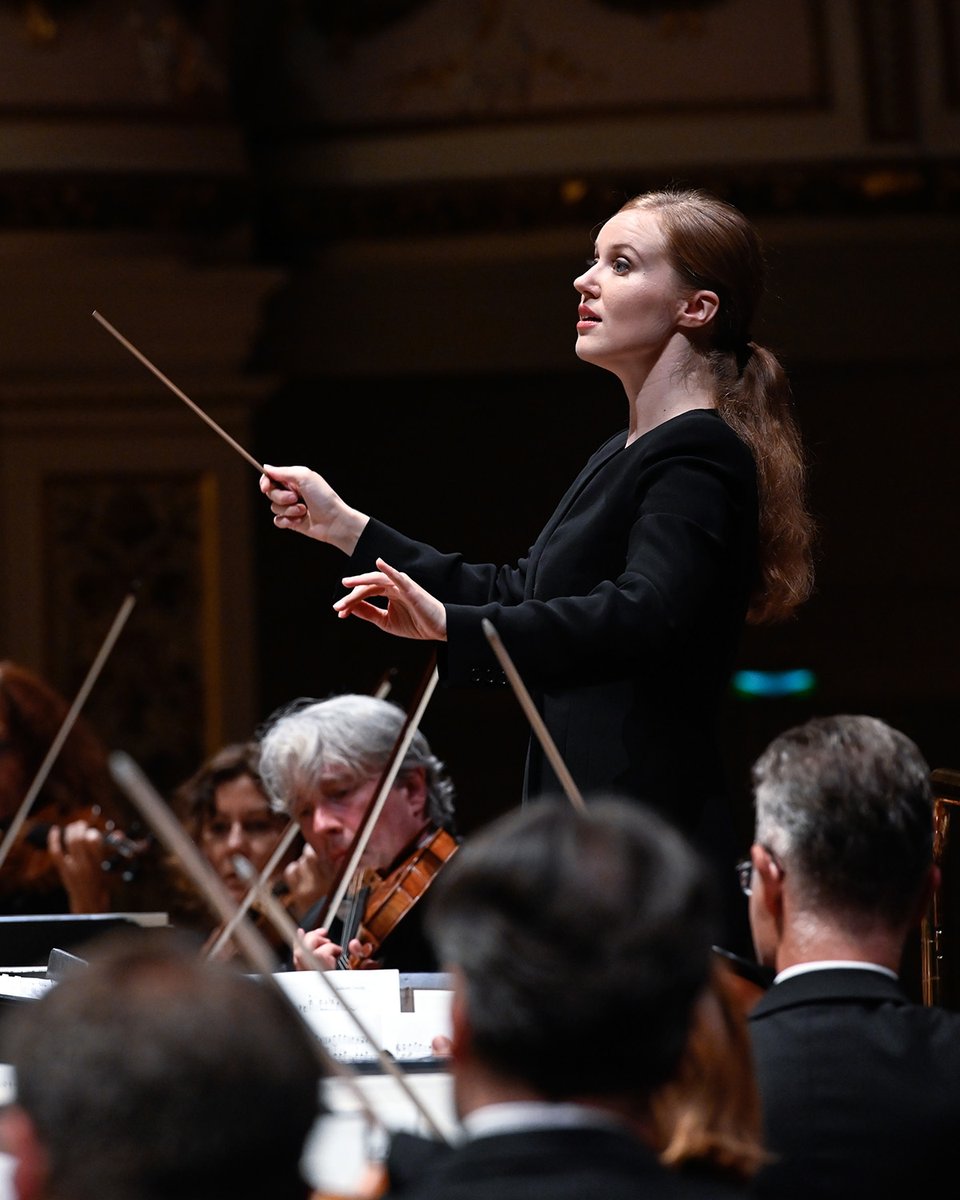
{"type": "Point", "coordinates": [744, 871]}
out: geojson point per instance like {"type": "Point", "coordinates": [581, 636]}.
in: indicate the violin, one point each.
{"type": "Point", "coordinates": [30, 881]}
{"type": "Point", "coordinates": [387, 900]}
{"type": "Point", "coordinates": [121, 852]}
{"type": "Point", "coordinates": [44, 740]}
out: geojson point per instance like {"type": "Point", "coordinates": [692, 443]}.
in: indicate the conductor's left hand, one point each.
{"type": "Point", "coordinates": [411, 612]}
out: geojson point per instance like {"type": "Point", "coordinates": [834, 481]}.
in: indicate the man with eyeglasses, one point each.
{"type": "Point", "coordinates": [860, 1085]}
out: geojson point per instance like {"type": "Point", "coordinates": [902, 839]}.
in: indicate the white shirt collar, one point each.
{"type": "Point", "coordinates": [831, 964]}
{"type": "Point", "coordinates": [515, 1116]}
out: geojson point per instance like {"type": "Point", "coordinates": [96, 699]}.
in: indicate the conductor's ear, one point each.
{"type": "Point", "coordinates": [698, 309]}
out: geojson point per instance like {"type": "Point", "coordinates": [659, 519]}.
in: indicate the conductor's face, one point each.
{"type": "Point", "coordinates": [630, 298]}
{"type": "Point", "coordinates": [330, 815]}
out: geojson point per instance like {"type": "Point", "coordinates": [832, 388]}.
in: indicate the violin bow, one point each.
{"type": "Point", "coordinates": [385, 684]}
{"type": "Point", "coordinates": [159, 815]}
{"type": "Point", "coordinates": [536, 721]}
{"type": "Point", "coordinates": [390, 772]}
{"type": "Point", "coordinates": [284, 924]}
{"type": "Point", "coordinates": [16, 824]}
{"type": "Point", "coordinates": [380, 693]}
{"type": "Point", "coordinates": [282, 846]}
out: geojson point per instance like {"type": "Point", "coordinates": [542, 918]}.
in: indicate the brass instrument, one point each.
{"type": "Point", "coordinates": [940, 929]}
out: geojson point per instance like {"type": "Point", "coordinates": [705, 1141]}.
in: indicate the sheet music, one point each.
{"type": "Point", "coordinates": [23, 986]}
{"type": "Point", "coordinates": [370, 994]}
{"type": "Point", "coordinates": [409, 1035]}
{"type": "Point", "coordinates": [375, 997]}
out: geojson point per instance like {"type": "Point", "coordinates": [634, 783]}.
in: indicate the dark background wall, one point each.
{"type": "Point", "coordinates": [350, 232]}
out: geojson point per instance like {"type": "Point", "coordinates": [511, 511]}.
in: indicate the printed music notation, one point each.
{"type": "Point", "coordinates": [375, 997]}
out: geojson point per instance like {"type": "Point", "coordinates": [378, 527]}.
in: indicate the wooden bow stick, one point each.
{"type": "Point", "coordinates": [126, 608]}
{"type": "Point", "coordinates": [536, 721]}
{"type": "Point", "coordinates": [155, 810]}
{"type": "Point", "coordinates": [243, 907]}
{"type": "Point", "coordinates": [391, 770]}
{"type": "Point", "coordinates": [177, 392]}
{"type": "Point", "coordinates": [279, 917]}
{"type": "Point", "coordinates": [165, 824]}
{"type": "Point", "coordinates": [381, 692]}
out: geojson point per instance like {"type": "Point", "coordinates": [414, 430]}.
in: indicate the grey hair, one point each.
{"type": "Point", "coordinates": [353, 734]}
{"type": "Point", "coordinates": [845, 802]}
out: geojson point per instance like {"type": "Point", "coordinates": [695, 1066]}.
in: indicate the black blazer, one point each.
{"type": "Point", "coordinates": [860, 1086]}
{"type": "Point", "coordinates": [625, 616]}
{"type": "Point", "coordinates": [543, 1164]}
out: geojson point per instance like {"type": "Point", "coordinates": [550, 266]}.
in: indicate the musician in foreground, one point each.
{"type": "Point", "coordinates": [860, 1086]}
{"type": "Point", "coordinates": [578, 943]}
{"type": "Point", "coordinates": [322, 762]}
{"type": "Point", "coordinates": [152, 1073]}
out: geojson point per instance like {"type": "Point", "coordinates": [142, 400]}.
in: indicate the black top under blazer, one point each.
{"type": "Point", "coordinates": [625, 616]}
{"type": "Point", "coordinates": [860, 1086]}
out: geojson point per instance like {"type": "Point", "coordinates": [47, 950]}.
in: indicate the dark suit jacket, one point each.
{"type": "Point", "coordinates": [625, 616]}
{"type": "Point", "coordinates": [543, 1164]}
{"type": "Point", "coordinates": [860, 1087]}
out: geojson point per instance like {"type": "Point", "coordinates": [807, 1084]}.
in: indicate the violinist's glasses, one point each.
{"type": "Point", "coordinates": [744, 871]}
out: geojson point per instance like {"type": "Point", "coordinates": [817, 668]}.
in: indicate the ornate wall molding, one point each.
{"type": "Point", "coordinates": [292, 216]}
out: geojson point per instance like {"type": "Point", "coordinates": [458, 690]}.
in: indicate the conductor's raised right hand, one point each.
{"type": "Point", "coordinates": [302, 500]}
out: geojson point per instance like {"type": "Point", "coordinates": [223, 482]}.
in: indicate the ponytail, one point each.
{"type": "Point", "coordinates": [754, 400]}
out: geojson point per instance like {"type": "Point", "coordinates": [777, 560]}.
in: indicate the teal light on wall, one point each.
{"type": "Point", "coordinates": [757, 685]}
